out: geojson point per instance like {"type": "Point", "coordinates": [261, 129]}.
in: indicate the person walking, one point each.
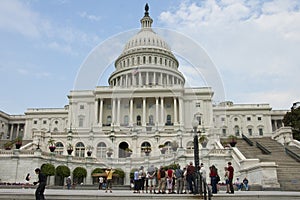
{"type": "Point", "coordinates": [39, 192]}
{"type": "Point", "coordinates": [109, 174]}
{"type": "Point", "coordinates": [230, 176]}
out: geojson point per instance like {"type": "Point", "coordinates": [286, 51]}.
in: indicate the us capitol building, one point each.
{"type": "Point", "coordinates": [145, 109]}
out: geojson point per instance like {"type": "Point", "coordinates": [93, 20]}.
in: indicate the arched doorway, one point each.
{"type": "Point", "coordinates": [122, 147]}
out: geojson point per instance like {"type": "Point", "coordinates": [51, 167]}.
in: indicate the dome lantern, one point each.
{"type": "Point", "coordinates": [146, 21]}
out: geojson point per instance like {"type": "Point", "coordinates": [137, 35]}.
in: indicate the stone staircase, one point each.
{"type": "Point", "coordinates": [288, 170]}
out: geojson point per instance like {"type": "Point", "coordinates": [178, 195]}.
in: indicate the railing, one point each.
{"type": "Point", "coordinates": [247, 140]}
{"type": "Point", "coordinates": [292, 154]}
{"type": "Point", "coordinates": [262, 148]}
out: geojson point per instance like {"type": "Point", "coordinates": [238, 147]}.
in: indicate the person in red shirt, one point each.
{"type": "Point", "coordinates": [170, 180]}
{"type": "Point", "coordinates": [230, 177]}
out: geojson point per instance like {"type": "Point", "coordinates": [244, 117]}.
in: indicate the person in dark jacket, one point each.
{"type": "Point", "coordinates": [39, 193]}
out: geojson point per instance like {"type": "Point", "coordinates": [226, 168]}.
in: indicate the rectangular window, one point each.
{"type": "Point", "coordinates": [35, 122]}
{"type": "Point", "coordinates": [126, 105]}
{"type": "Point", "coordinates": [223, 119]}
{"type": "Point", "coordinates": [250, 131]}
{"type": "Point", "coordinates": [168, 105]}
{"type": "Point", "coordinates": [260, 131]}
{"type": "Point", "coordinates": [198, 105]}
{"type": "Point", "coordinates": [248, 118]}
{"type": "Point", "coordinates": [224, 132]}
{"type": "Point", "coordinates": [259, 118]}
{"type": "Point", "coordinates": [109, 106]}
{"type": "Point", "coordinates": [45, 122]}
{"type": "Point", "coordinates": [80, 124]}
{"type": "Point", "coordinates": [138, 105]}
{"type": "Point", "coordinates": [81, 107]}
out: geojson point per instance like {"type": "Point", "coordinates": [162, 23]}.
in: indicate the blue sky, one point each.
{"type": "Point", "coordinates": [254, 45]}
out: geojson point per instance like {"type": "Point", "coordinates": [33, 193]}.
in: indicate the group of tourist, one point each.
{"type": "Point", "coordinates": [164, 180]}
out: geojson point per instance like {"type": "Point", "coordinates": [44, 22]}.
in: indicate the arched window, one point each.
{"type": "Point", "coordinates": [145, 147]}
{"type": "Point", "coordinates": [144, 60]}
{"type": "Point", "coordinates": [237, 130]}
{"type": "Point", "coordinates": [190, 147]}
{"type": "Point", "coordinates": [59, 148]}
{"type": "Point", "coordinates": [80, 121]}
{"type": "Point", "coordinates": [150, 59]}
{"type": "Point", "coordinates": [79, 149]}
{"type": "Point", "coordinates": [101, 150]}
{"type": "Point", "coordinates": [151, 120]}
{"type": "Point", "coordinates": [168, 146]}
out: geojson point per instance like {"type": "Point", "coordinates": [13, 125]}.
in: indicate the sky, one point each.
{"type": "Point", "coordinates": [254, 45]}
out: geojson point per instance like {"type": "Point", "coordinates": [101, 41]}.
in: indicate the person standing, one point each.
{"type": "Point", "coordinates": [179, 180]}
{"type": "Point", "coordinates": [230, 177]}
{"type": "Point", "coordinates": [151, 178]}
{"type": "Point", "coordinates": [68, 182]}
{"type": "Point", "coordinates": [109, 174]}
{"type": "Point", "coordinates": [226, 176]}
{"type": "Point", "coordinates": [190, 176]}
{"type": "Point", "coordinates": [39, 193]}
{"type": "Point", "coordinates": [101, 180]}
{"type": "Point", "coordinates": [213, 178]}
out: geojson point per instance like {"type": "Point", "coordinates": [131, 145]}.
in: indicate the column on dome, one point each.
{"type": "Point", "coordinates": [162, 111]}
{"type": "Point", "coordinates": [96, 121]}
{"type": "Point", "coordinates": [168, 83]}
{"type": "Point", "coordinates": [161, 78]}
{"type": "Point", "coordinates": [121, 81]}
{"type": "Point", "coordinates": [144, 112]}
{"type": "Point", "coordinates": [126, 80]}
{"type": "Point", "coordinates": [101, 112]}
{"type": "Point", "coordinates": [131, 112]}
{"type": "Point", "coordinates": [133, 80]}
{"type": "Point", "coordinates": [156, 110]}
{"type": "Point", "coordinates": [175, 111]}
{"type": "Point", "coordinates": [118, 111]}
{"type": "Point", "coordinates": [181, 117]}
{"type": "Point", "coordinates": [140, 78]}
{"type": "Point", "coordinates": [173, 80]}
{"type": "Point", "coordinates": [18, 129]}
{"type": "Point", "coordinates": [147, 78]}
{"type": "Point", "coordinates": [154, 78]}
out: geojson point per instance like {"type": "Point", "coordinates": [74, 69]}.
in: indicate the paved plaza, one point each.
{"type": "Point", "coordinates": [10, 194]}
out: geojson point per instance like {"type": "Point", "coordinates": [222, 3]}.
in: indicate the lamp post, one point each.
{"type": "Point", "coordinates": [195, 124]}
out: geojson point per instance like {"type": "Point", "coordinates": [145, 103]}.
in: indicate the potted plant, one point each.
{"type": "Point", "coordinates": [51, 143]}
{"type": "Point", "coordinates": [70, 149]}
{"type": "Point", "coordinates": [8, 145]}
{"type": "Point", "coordinates": [89, 150]}
{"type": "Point", "coordinates": [162, 148]}
{"type": "Point", "coordinates": [18, 142]}
{"type": "Point", "coordinates": [128, 152]}
{"type": "Point", "coordinates": [232, 140]}
{"type": "Point", "coordinates": [203, 140]}
{"type": "Point", "coordinates": [109, 152]}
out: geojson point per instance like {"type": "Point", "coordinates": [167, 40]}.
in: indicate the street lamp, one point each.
{"type": "Point", "coordinates": [195, 124]}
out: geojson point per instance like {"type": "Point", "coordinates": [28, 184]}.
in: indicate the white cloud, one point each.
{"type": "Point", "coordinates": [89, 16]}
{"type": "Point", "coordinates": [252, 42]}
{"type": "Point", "coordinates": [17, 17]}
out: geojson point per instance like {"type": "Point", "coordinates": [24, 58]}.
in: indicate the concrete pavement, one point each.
{"type": "Point", "coordinates": [63, 194]}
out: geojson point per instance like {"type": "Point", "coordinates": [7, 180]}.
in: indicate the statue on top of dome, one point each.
{"type": "Point", "coordinates": [146, 9]}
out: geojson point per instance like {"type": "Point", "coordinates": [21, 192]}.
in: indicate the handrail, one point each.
{"type": "Point", "coordinates": [204, 188]}
{"type": "Point", "coordinates": [262, 148]}
{"type": "Point", "coordinates": [292, 154]}
{"type": "Point", "coordinates": [247, 140]}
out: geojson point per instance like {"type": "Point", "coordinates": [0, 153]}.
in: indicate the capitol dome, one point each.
{"type": "Point", "coordinates": [146, 60]}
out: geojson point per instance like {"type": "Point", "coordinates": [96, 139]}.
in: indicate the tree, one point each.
{"type": "Point", "coordinates": [292, 119]}
{"type": "Point", "coordinates": [79, 173]}
{"type": "Point", "coordinates": [62, 171]}
{"type": "Point", "coordinates": [48, 169]}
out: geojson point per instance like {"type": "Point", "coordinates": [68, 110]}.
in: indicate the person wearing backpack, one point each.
{"type": "Point", "coordinates": [179, 180]}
